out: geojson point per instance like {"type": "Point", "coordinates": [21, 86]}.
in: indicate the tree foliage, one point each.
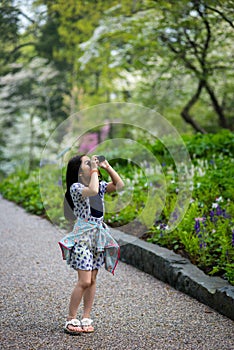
{"type": "Point", "coordinates": [163, 37]}
{"type": "Point", "coordinates": [9, 35]}
{"type": "Point", "coordinates": [173, 56]}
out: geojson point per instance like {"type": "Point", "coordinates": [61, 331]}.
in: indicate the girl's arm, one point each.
{"type": "Point", "coordinates": [116, 183]}
{"type": "Point", "coordinates": [93, 187]}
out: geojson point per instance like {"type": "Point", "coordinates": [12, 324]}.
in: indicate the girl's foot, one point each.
{"type": "Point", "coordinates": [73, 327]}
{"type": "Point", "coordinates": [86, 325]}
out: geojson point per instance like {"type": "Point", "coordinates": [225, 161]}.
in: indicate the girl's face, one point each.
{"type": "Point", "coordinates": [85, 167]}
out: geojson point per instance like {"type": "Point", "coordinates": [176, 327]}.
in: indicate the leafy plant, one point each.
{"type": "Point", "coordinates": [206, 233]}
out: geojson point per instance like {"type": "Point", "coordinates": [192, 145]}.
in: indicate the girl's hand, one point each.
{"type": "Point", "coordinates": [104, 165]}
{"type": "Point", "coordinates": [94, 162]}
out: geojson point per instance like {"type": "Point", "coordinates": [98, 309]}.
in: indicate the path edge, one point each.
{"type": "Point", "coordinates": [177, 271]}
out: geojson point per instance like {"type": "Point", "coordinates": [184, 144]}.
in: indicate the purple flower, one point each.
{"type": "Point", "coordinates": [233, 238]}
{"type": "Point", "coordinates": [162, 226]}
{"type": "Point", "coordinates": [197, 226]}
{"type": "Point", "coordinates": [225, 214]}
{"type": "Point", "coordinates": [218, 211]}
{"type": "Point", "coordinates": [202, 245]}
{"type": "Point", "coordinates": [89, 142]}
{"type": "Point", "coordinates": [212, 214]}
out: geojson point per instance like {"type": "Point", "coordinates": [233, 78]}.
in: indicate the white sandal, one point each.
{"type": "Point", "coordinates": [75, 323]}
{"type": "Point", "coordinates": [86, 324]}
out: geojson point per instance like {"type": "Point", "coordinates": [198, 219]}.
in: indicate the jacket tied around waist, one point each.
{"type": "Point", "coordinates": [103, 240]}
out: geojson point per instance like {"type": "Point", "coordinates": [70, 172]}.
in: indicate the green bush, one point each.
{"type": "Point", "coordinates": [210, 145]}
{"type": "Point", "coordinates": [206, 233]}
{"type": "Point", "coordinates": [23, 189]}
{"type": "Point", "coordinates": [199, 146]}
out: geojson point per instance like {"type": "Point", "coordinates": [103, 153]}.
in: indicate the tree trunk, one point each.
{"type": "Point", "coordinates": [185, 112]}
{"type": "Point", "coordinates": [31, 143]}
{"type": "Point", "coordinates": [218, 109]}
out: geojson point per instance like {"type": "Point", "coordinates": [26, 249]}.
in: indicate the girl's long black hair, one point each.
{"type": "Point", "coordinates": [73, 168]}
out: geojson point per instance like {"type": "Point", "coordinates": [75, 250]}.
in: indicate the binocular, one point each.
{"type": "Point", "coordinates": [101, 158]}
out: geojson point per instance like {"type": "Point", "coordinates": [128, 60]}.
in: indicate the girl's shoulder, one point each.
{"type": "Point", "coordinates": [76, 187]}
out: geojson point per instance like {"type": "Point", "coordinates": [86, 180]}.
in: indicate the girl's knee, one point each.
{"type": "Point", "coordinates": [84, 284]}
{"type": "Point", "coordinates": [84, 279]}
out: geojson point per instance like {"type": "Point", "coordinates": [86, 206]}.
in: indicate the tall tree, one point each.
{"type": "Point", "coordinates": [74, 22]}
{"type": "Point", "coordinates": [164, 33]}
{"type": "Point", "coordinates": [9, 35]}
{"type": "Point", "coordinates": [194, 40]}
{"type": "Point", "coordinates": [27, 109]}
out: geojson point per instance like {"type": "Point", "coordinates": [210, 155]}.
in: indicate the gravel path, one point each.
{"type": "Point", "coordinates": [132, 310]}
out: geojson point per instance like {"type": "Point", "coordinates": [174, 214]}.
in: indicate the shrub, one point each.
{"type": "Point", "coordinates": [206, 233]}
{"type": "Point", "coordinates": [23, 189]}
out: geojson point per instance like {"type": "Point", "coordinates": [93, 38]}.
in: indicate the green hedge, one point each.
{"type": "Point", "coordinates": [199, 146]}
{"type": "Point", "coordinates": [23, 189]}
{"type": "Point", "coordinates": [206, 233]}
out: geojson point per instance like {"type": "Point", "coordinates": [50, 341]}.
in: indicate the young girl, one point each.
{"type": "Point", "coordinates": [90, 244]}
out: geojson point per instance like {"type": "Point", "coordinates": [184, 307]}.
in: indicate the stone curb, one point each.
{"type": "Point", "coordinates": [177, 272]}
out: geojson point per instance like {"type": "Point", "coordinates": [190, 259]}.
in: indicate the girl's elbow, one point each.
{"type": "Point", "coordinates": [120, 185]}
{"type": "Point", "coordinates": [94, 192]}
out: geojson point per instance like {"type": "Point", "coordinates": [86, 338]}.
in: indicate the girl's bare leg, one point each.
{"type": "Point", "coordinates": [89, 295]}
{"type": "Point", "coordinates": [84, 283]}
